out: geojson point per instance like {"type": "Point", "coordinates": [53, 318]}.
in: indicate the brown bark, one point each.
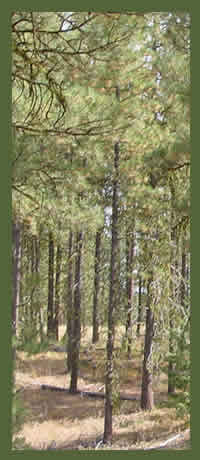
{"type": "Point", "coordinates": [57, 291]}
{"type": "Point", "coordinates": [139, 318]}
{"type": "Point", "coordinates": [147, 400]}
{"type": "Point", "coordinates": [95, 334]}
{"type": "Point", "coordinates": [130, 288]}
{"type": "Point", "coordinates": [76, 316]}
{"type": "Point", "coordinates": [16, 271]}
{"type": "Point", "coordinates": [21, 310]}
{"type": "Point", "coordinates": [32, 312]}
{"type": "Point", "coordinates": [173, 294]}
{"type": "Point", "coordinates": [172, 326]}
{"type": "Point", "coordinates": [69, 302]}
{"type": "Point", "coordinates": [50, 307]}
{"type": "Point", "coordinates": [113, 297]}
{"type": "Point", "coordinates": [37, 290]}
{"type": "Point", "coordinates": [171, 366]}
{"type": "Point", "coordinates": [183, 293]}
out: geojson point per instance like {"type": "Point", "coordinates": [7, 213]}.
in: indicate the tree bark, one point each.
{"type": "Point", "coordinates": [32, 310]}
{"type": "Point", "coordinates": [16, 271]}
{"type": "Point", "coordinates": [129, 287]}
{"type": "Point", "coordinates": [173, 294]}
{"type": "Point", "coordinates": [147, 400]}
{"type": "Point", "coordinates": [183, 293]}
{"type": "Point", "coordinates": [139, 318]}
{"type": "Point", "coordinates": [57, 291]}
{"type": "Point", "coordinates": [69, 302]}
{"type": "Point", "coordinates": [21, 310]}
{"type": "Point", "coordinates": [76, 315]}
{"type": "Point", "coordinates": [171, 365]}
{"type": "Point", "coordinates": [37, 269]}
{"type": "Point", "coordinates": [112, 301]}
{"type": "Point", "coordinates": [95, 334]}
{"type": "Point", "coordinates": [50, 307]}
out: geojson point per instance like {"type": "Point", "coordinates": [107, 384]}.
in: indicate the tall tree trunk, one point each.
{"type": "Point", "coordinates": [95, 334]}
{"type": "Point", "coordinates": [57, 291]}
{"type": "Point", "coordinates": [50, 307]}
{"type": "Point", "coordinates": [69, 302]}
{"type": "Point", "coordinates": [113, 297]}
{"type": "Point", "coordinates": [16, 271]}
{"type": "Point", "coordinates": [32, 311]}
{"type": "Point", "coordinates": [130, 287]}
{"type": "Point", "coordinates": [37, 270]}
{"type": "Point", "coordinates": [139, 318]}
{"type": "Point", "coordinates": [187, 276]}
{"type": "Point", "coordinates": [173, 295]}
{"type": "Point", "coordinates": [76, 315]}
{"type": "Point", "coordinates": [21, 310]}
{"type": "Point", "coordinates": [171, 364]}
{"type": "Point", "coordinates": [183, 275]}
{"type": "Point", "coordinates": [147, 400]}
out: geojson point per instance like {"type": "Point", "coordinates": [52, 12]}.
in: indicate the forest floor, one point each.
{"type": "Point", "coordinates": [59, 420]}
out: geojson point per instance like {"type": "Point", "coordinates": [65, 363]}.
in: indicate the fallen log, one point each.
{"type": "Point", "coordinates": [167, 442]}
{"type": "Point", "coordinates": [92, 394]}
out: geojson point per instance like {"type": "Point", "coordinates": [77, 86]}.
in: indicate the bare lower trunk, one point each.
{"type": "Point", "coordinates": [37, 269]}
{"type": "Point", "coordinates": [50, 318]}
{"type": "Point", "coordinates": [95, 335]}
{"type": "Point", "coordinates": [57, 291]}
{"type": "Point", "coordinates": [139, 318]}
{"type": "Point", "coordinates": [171, 364]}
{"type": "Point", "coordinates": [77, 317]}
{"type": "Point", "coordinates": [173, 295]}
{"type": "Point", "coordinates": [113, 296]}
{"type": "Point", "coordinates": [69, 302]}
{"type": "Point", "coordinates": [147, 400]}
{"type": "Point", "coordinates": [129, 287]}
{"type": "Point", "coordinates": [16, 266]}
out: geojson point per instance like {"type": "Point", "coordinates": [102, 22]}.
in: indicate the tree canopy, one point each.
{"type": "Point", "coordinates": [101, 153]}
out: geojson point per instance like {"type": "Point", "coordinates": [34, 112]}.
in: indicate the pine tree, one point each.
{"type": "Point", "coordinates": [113, 297]}
{"type": "Point", "coordinates": [76, 321]}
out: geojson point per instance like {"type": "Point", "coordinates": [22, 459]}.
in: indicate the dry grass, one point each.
{"type": "Point", "coordinates": [66, 421]}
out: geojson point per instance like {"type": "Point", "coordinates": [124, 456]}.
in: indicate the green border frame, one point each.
{"type": "Point", "coordinates": [6, 209]}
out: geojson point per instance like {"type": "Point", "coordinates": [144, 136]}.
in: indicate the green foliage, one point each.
{"type": "Point", "coordinates": [19, 414]}
{"type": "Point", "coordinates": [65, 125]}
{"type": "Point", "coordinates": [33, 347]}
{"type": "Point", "coordinates": [29, 340]}
{"type": "Point", "coordinates": [183, 406]}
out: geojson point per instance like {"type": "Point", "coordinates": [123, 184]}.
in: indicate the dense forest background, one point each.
{"type": "Point", "coordinates": [101, 193]}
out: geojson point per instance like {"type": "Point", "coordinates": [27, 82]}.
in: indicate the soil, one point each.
{"type": "Point", "coordinates": [57, 420]}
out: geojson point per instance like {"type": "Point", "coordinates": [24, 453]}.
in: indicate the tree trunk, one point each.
{"type": "Point", "coordinates": [57, 291]}
{"type": "Point", "coordinates": [69, 302]}
{"type": "Point", "coordinates": [50, 312]}
{"type": "Point", "coordinates": [147, 400]}
{"type": "Point", "coordinates": [95, 335]}
{"type": "Point", "coordinates": [21, 310]}
{"type": "Point", "coordinates": [139, 318]}
{"type": "Point", "coordinates": [187, 276]}
{"type": "Point", "coordinates": [183, 293]}
{"type": "Point", "coordinates": [173, 294]}
{"type": "Point", "coordinates": [76, 316]}
{"type": "Point", "coordinates": [32, 309]}
{"type": "Point", "coordinates": [171, 364]}
{"type": "Point", "coordinates": [37, 269]}
{"type": "Point", "coordinates": [113, 297]}
{"type": "Point", "coordinates": [129, 287]}
{"type": "Point", "coordinates": [16, 267]}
